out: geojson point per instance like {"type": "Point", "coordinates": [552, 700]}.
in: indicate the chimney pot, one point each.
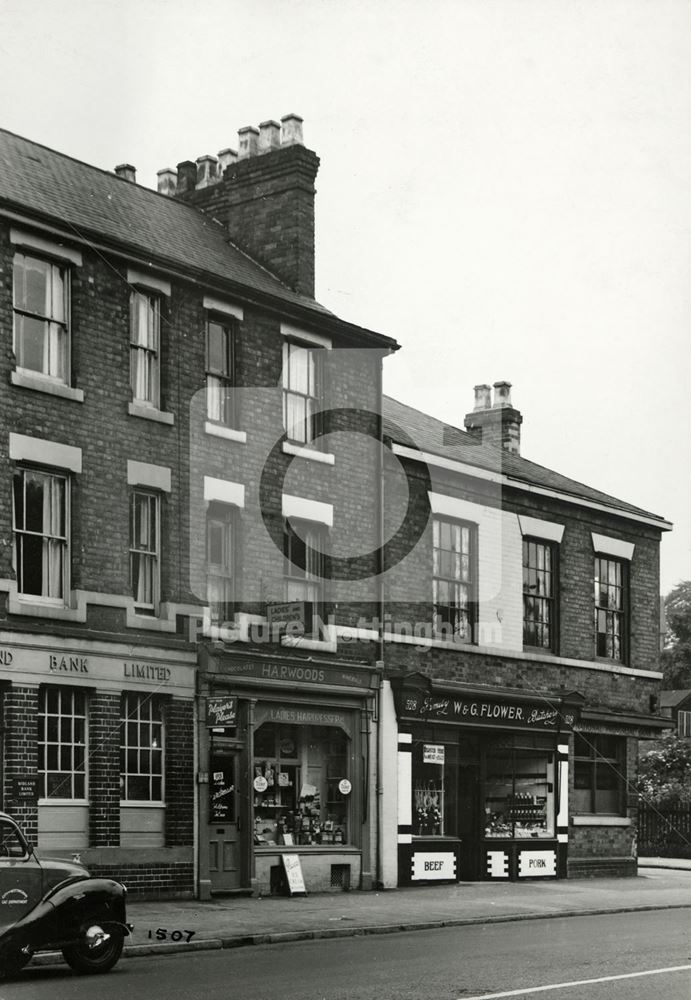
{"type": "Point", "coordinates": [127, 172]}
{"type": "Point", "coordinates": [482, 397]}
{"type": "Point", "coordinates": [187, 176]}
{"type": "Point", "coordinates": [269, 136]}
{"type": "Point", "coordinates": [207, 171]}
{"type": "Point", "coordinates": [226, 157]}
{"type": "Point", "coordinates": [248, 139]}
{"type": "Point", "coordinates": [167, 181]}
{"type": "Point", "coordinates": [502, 394]}
{"type": "Point", "coordinates": [292, 130]}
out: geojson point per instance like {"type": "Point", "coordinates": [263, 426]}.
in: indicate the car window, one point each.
{"type": "Point", "coordinates": [11, 844]}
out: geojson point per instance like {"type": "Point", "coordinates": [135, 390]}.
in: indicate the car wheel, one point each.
{"type": "Point", "coordinates": [94, 952]}
{"type": "Point", "coordinates": [13, 963]}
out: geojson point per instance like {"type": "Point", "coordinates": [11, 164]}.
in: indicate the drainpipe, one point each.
{"type": "Point", "coordinates": [380, 619]}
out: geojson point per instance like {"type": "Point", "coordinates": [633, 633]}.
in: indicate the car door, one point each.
{"type": "Point", "coordinates": [20, 876]}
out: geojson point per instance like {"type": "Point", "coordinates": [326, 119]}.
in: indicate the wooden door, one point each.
{"type": "Point", "coordinates": [226, 838]}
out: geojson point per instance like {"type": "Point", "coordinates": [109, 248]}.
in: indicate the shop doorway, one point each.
{"type": "Point", "coordinates": [468, 828]}
{"type": "Point", "coordinates": [226, 837]}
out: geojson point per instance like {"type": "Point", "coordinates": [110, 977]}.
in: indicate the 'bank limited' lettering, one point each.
{"type": "Point", "coordinates": [68, 664]}
{"type": "Point", "coordinates": [147, 672]}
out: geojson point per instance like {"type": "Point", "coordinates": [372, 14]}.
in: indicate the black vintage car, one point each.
{"type": "Point", "coordinates": [54, 905]}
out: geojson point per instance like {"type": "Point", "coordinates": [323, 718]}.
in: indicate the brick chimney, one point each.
{"type": "Point", "coordinates": [126, 172]}
{"type": "Point", "coordinates": [264, 195]}
{"type": "Point", "coordinates": [496, 423]}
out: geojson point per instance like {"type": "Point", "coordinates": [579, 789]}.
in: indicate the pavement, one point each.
{"type": "Point", "coordinates": [168, 927]}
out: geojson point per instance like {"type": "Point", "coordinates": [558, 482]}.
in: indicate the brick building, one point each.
{"type": "Point", "coordinates": [232, 621]}
{"type": "Point", "coordinates": [164, 363]}
{"type": "Point", "coordinates": [521, 659]}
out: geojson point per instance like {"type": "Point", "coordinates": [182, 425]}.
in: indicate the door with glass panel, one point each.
{"type": "Point", "coordinates": [224, 825]}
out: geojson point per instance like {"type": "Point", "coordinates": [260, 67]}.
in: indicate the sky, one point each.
{"type": "Point", "coordinates": [505, 188]}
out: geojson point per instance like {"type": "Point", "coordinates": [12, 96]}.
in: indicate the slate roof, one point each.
{"type": "Point", "coordinates": [431, 435]}
{"type": "Point", "coordinates": [95, 204]}
{"type": "Point", "coordinates": [674, 698]}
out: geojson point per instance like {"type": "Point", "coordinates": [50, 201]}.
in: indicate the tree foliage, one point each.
{"type": "Point", "coordinates": [664, 771]}
{"type": "Point", "coordinates": [676, 656]}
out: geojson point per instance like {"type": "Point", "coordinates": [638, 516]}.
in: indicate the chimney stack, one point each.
{"type": "Point", "coordinates": [167, 181]}
{"type": "Point", "coordinates": [269, 136]}
{"type": "Point", "coordinates": [207, 171]}
{"type": "Point", "coordinates": [498, 424]}
{"type": "Point", "coordinates": [270, 177]}
{"type": "Point", "coordinates": [127, 172]}
{"type": "Point", "coordinates": [248, 141]}
{"type": "Point", "coordinates": [187, 177]}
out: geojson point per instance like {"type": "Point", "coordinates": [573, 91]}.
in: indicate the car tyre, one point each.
{"type": "Point", "coordinates": [12, 963]}
{"type": "Point", "coordinates": [90, 961]}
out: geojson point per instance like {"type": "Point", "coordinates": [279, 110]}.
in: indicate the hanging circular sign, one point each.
{"type": "Point", "coordinates": [260, 783]}
{"type": "Point", "coordinates": [344, 787]}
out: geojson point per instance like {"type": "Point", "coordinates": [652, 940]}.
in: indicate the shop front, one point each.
{"type": "Point", "coordinates": [285, 771]}
{"type": "Point", "coordinates": [98, 755]}
{"type": "Point", "coordinates": [482, 782]}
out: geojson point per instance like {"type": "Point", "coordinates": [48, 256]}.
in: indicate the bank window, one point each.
{"type": "Point", "coordinates": [539, 581]}
{"type": "Point", "coordinates": [433, 789]}
{"type": "Point", "coordinates": [302, 786]}
{"type": "Point", "coordinates": [302, 378]}
{"type": "Point", "coordinates": [145, 336]}
{"type": "Point", "coordinates": [141, 748]}
{"type": "Point", "coordinates": [219, 561]}
{"type": "Point", "coordinates": [220, 351]}
{"type": "Point", "coordinates": [304, 549]}
{"type": "Point", "coordinates": [610, 608]}
{"type": "Point", "coordinates": [144, 551]}
{"type": "Point", "coordinates": [599, 774]}
{"type": "Point", "coordinates": [453, 583]}
{"type": "Point", "coordinates": [62, 736]}
{"type": "Point", "coordinates": [518, 790]}
{"type": "Point", "coordinates": [41, 316]}
{"type": "Point", "coordinates": [41, 534]}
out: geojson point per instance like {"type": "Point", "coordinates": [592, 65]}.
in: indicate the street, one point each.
{"type": "Point", "coordinates": [631, 955]}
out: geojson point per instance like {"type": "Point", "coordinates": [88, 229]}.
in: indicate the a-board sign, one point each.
{"type": "Point", "coordinates": [222, 712]}
{"type": "Point", "coordinates": [293, 870]}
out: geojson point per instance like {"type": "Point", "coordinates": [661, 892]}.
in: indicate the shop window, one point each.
{"type": "Point", "coordinates": [145, 334]}
{"type": "Point", "coordinates": [453, 583]}
{"type": "Point", "coordinates": [144, 551]}
{"type": "Point", "coordinates": [41, 317]}
{"type": "Point", "coordinates": [610, 608]}
{"type": "Point", "coordinates": [433, 788]}
{"type": "Point", "coordinates": [301, 391]}
{"type": "Point", "coordinates": [220, 362]}
{"type": "Point", "coordinates": [599, 774]}
{"type": "Point", "coordinates": [219, 561]}
{"type": "Point", "coordinates": [519, 791]}
{"type": "Point", "coordinates": [41, 522]}
{"type": "Point", "coordinates": [141, 748]}
{"type": "Point", "coordinates": [62, 743]}
{"type": "Point", "coordinates": [303, 547]}
{"type": "Point", "coordinates": [538, 594]}
{"type": "Point", "coordinates": [300, 795]}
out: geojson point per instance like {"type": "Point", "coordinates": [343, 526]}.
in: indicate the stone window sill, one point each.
{"type": "Point", "coordinates": [150, 413]}
{"type": "Point", "coordinates": [595, 820]}
{"type": "Point", "coordinates": [228, 433]}
{"type": "Point", "coordinates": [311, 454]}
{"type": "Point", "coordinates": [32, 380]}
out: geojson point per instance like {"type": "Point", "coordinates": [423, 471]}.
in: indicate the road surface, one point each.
{"type": "Point", "coordinates": [632, 956]}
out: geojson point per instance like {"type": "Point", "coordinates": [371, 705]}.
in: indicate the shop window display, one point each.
{"type": "Point", "coordinates": [301, 785]}
{"type": "Point", "coordinates": [519, 791]}
{"type": "Point", "coordinates": [433, 786]}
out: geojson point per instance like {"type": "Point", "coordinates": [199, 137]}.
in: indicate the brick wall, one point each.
{"type": "Point", "coordinates": [104, 769]}
{"type": "Point", "coordinates": [179, 772]}
{"type": "Point", "coordinates": [21, 753]}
